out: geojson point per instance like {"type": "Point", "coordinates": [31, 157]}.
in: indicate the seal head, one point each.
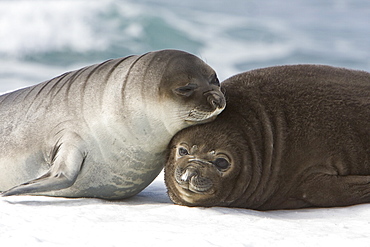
{"type": "Point", "coordinates": [203, 165]}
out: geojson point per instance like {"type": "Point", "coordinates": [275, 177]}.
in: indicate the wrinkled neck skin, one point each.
{"type": "Point", "coordinates": [111, 108]}
{"type": "Point", "coordinates": [264, 136]}
{"type": "Point", "coordinates": [125, 116]}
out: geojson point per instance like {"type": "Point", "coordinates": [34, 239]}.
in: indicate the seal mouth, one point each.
{"type": "Point", "coordinates": [197, 115]}
{"type": "Point", "coordinates": [217, 103]}
{"type": "Point", "coordinates": [190, 179]}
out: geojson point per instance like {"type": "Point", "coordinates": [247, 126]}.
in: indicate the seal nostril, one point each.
{"type": "Point", "coordinates": [188, 174]}
{"type": "Point", "coordinates": [185, 176]}
{"type": "Point", "coordinates": [216, 104]}
{"type": "Point", "coordinates": [215, 100]}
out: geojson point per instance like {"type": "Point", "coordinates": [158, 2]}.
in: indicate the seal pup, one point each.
{"type": "Point", "coordinates": [290, 137]}
{"type": "Point", "coordinates": [102, 131]}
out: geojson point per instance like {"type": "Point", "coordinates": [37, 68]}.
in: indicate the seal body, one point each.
{"type": "Point", "coordinates": [102, 131]}
{"type": "Point", "coordinates": [290, 137]}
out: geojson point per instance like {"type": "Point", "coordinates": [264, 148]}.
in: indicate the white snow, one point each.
{"type": "Point", "coordinates": [150, 219]}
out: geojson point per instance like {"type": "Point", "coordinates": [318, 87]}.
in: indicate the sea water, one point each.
{"type": "Point", "coordinates": [40, 39]}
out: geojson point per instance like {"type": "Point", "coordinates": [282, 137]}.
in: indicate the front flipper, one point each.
{"type": "Point", "coordinates": [66, 161]}
{"type": "Point", "coordinates": [330, 190]}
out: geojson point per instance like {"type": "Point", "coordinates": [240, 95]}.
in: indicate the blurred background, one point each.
{"type": "Point", "coordinates": [40, 39]}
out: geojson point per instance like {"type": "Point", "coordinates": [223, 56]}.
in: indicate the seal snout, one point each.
{"type": "Point", "coordinates": [184, 175]}
{"type": "Point", "coordinates": [214, 103]}
{"type": "Point", "coordinates": [190, 179]}
{"type": "Point", "coordinates": [188, 174]}
{"type": "Point", "coordinates": [215, 99]}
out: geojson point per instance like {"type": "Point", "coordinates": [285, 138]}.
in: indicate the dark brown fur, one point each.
{"type": "Point", "coordinates": [295, 137]}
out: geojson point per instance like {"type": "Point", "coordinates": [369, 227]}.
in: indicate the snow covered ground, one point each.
{"type": "Point", "coordinates": [150, 219]}
{"type": "Point", "coordinates": [41, 42]}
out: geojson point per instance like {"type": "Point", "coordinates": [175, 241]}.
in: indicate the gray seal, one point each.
{"type": "Point", "coordinates": [102, 131]}
{"type": "Point", "coordinates": [290, 137]}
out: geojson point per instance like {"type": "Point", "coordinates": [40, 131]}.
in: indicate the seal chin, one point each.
{"type": "Point", "coordinates": [190, 196]}
{"type": "Point", "coordinates": [198, 116]}
{"type": "Point", "coordinates": [203, 114]}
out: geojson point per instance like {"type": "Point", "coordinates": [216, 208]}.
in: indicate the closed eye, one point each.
{"type": "Point", "coordinates": [214, 80]}
{"type": "Point", "coordinates": [187, 90]}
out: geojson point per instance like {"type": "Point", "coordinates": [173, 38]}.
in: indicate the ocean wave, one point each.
{"type": "Point", "coordinates": [84, 26]}
{"type": "Point", "coordinates": [237, 36]}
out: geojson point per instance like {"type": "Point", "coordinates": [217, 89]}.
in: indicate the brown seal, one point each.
{"type": "Point", "coordinates": [290, 137]}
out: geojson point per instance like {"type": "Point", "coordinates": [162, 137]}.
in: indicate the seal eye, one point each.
{"type": "Point", "coordinates": [215, 81]}
{"type": "Point", "coordinates": [186, 91]}
{"type": "Point", "coordinates": [183, 151]}
{"type": "Point", "coordinates": [221, 164]}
